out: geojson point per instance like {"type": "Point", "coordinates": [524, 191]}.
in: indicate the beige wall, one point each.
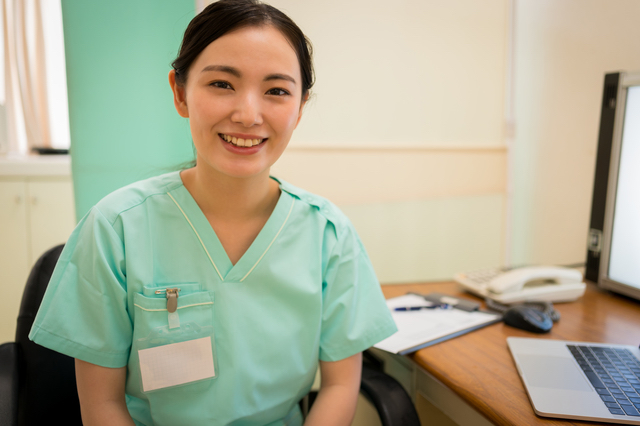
{"type": "Point", "coordinates": [423, 214]}
{"type": "Point", "coordinates": [407, 72]}
{"type": "Point", "coordinates": [476, 119]}
{"type": "Point", "coordinates": [389, 175]}
{"type": "Point", "coordinates": [405, 131]}
{"type": "Point", "coordinates": [563, 48]}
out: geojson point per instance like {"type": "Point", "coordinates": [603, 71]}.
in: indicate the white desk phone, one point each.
{"type": "Point", "coordinates": [532, 283]}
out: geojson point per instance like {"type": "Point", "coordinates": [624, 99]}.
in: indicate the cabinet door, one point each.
{"type": "Point", "coordinates": [52, 216]}
{"type": "Point", "coordinates": [14, 264]}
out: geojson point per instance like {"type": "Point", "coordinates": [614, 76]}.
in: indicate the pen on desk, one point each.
{"type": "Point", "coordinates": [418, 308]}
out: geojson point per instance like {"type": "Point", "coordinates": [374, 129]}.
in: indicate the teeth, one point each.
{"type": "Point", "coordinates": [241, 142]}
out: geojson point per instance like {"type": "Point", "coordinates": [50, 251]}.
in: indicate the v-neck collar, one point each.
{"type": "Point", "coordinates": [225, 270]}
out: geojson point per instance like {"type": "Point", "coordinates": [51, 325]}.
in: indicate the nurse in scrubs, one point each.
{"type": "Point", "coordinates": [211, 295]}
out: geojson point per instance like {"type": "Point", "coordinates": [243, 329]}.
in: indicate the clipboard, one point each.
{"type": "Point", "coordinates": [419, 329]}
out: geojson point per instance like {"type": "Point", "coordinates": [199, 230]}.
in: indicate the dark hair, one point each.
{"type": "Point", "coordinates": [224, 16]}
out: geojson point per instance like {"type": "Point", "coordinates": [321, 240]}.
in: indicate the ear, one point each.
{"type": "Point", "coordinates": [179, 95]}
{"type": "Point", "coordinates": [302, 104]}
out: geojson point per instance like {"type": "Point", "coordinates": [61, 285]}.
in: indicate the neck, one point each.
{"type": "Point", "coordinates": [232, 198]}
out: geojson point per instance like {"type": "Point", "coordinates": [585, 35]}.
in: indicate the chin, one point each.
{"type": "Point", "coordinates": [247, 173]}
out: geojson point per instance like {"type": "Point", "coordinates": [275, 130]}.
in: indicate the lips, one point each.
{"type": "Point", "coordinates": [243, 143]}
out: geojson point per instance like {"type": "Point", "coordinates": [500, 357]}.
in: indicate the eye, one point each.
{"type": "Point", "coordinates": [221, 84]}
{"type": "Point", "coordinates": [276, 91]}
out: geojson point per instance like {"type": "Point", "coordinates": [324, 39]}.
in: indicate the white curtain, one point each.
{"type": "Point", "coordinates": [25, 75]}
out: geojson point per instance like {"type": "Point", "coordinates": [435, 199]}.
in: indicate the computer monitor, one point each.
{"type": "Point", "coordinates": [618, 245]}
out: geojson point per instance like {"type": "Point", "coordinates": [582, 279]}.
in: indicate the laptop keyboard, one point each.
{"type": "Point", "coordinates": [614, 373]}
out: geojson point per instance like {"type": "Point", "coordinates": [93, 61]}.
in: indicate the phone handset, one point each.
{"type": "Point", "coordinates": [516, 279]}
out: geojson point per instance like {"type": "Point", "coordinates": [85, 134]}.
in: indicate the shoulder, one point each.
{"type": "Point", "coordinates": [319, 206]}
{"type": "Point", "coordinates": [136, 194]}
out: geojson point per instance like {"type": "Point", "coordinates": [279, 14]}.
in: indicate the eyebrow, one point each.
{"type": "Point", "coordinates": [236, 73]}
{"type": "Point", "coordinates": [280, 77]}
{"type": "Point", "coordinates": [223, 68]}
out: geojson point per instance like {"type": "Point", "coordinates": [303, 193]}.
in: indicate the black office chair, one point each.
{"type": "Point", "coordinates": [38, 385]}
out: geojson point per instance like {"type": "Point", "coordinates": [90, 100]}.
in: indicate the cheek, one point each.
{"type": "Point", "coordinates": [286, 118]}
{"type": "Point", "coordinates": [204, 110]}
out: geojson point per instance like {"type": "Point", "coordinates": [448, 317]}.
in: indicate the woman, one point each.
{"type": "Point", "coordinates": [211, 295]}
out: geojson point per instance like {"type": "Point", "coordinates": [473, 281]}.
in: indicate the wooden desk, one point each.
{"type": "Point", "coordinates": [477, 368]}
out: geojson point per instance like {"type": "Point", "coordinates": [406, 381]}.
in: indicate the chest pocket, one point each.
{"type": "Point", "coordinates": [151, 311]}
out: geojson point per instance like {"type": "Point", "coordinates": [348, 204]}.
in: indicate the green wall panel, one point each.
{"type": "Point", "coordinates": [122, 120]}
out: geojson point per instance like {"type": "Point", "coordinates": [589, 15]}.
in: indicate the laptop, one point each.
{"type": "Point", "coordinates": [581, 381]}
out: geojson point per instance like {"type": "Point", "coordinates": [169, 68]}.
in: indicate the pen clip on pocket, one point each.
{"type": "Point", "coordinates": [172, 305]}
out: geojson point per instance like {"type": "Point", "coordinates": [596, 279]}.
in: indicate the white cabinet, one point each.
{"type": "Point", "coordinates": [36, 213]}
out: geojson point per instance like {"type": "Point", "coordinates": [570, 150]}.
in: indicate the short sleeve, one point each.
{"type": "Point", "coordinates": [355, 315]}
{"type": "Point", "coordinates": [84, 310]}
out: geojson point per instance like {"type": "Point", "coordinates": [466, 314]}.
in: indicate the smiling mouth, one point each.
{"type": "Point", "coordinates": [244, 143]}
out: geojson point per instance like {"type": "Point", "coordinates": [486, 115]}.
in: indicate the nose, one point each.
{"type": "Point", "coordinates": [247, 111]}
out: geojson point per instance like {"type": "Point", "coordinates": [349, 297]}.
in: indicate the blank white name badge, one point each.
{"type": "Point", "coordinates": [176, 364]}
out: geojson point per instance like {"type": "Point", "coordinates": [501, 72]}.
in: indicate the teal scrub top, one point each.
{"type": "Point", "coordinates": [304, 291]}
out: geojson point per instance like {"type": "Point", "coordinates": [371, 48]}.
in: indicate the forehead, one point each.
{"type": "Point", "coordinates": [256, 49]}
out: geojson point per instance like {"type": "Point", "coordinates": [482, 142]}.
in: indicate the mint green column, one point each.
{"type": "Point", "coordinates": [122, 121]}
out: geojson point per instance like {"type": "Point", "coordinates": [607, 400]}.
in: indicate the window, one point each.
{"type": "Point", "coordinates": [21, 66]}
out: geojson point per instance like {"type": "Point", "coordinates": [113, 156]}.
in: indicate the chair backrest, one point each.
{"type": "Point", "coordinates": [47, 380]}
